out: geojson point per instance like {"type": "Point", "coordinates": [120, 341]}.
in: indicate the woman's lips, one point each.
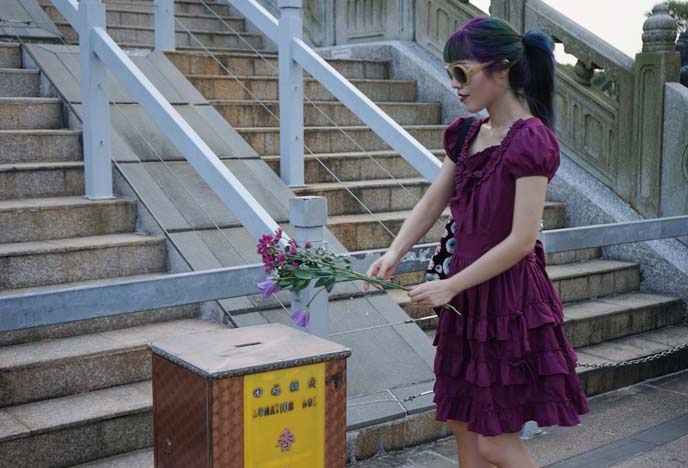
{"type": "Point", "coordinates": [463, 97]}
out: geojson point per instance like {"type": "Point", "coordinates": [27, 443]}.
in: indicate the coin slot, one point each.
{"type": "Point", "coordinates": [248, 344]}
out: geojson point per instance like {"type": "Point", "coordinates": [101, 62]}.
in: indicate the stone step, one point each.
{"type": "Point", "coordinates": [39, 263]}
{"type": "Point", "coordinates": [76, 429]}
{"type": "Point", "coordinates": [358, 197]}
{"type": "Point", "coordinates": [579, 281]}
{"type": "Point", "coordinates": [118, 16]}
{"type": "Point", "coordinates": [10, 55]}
{"type": "Point", "coordinates": [39, 146]}
{"type": "Point", "coordinates": [181, 6]}
{"type": "Point", "coordinates": [36, 219]}
{"type": "Point", "coordinates": [325, 113]}
{"type": "Point", "coordinates": [596, 381]}
{"type": "Point", "coordinates": [354, 166]}
{"type": "Point", "coordinates": [365, 231]}
{"type": "Point", "coordinates": [30, 113]}
{"type": "Point", "coordinates": [144, 458]}
{"type": "Point", "coordinates": [333, 140]}
{"type": "Point", "coordinates": [66, 366]}
{"type": "Point", "coordinates": [589, 322]}
{"type": "Point", "coordinates": [263, 88]}
{"type": "Point", "coordinates": [145, 37]}
{"type": "Point", "coordinates": [251, 64]}
{"type": "Point", "coordinates": [43, 179]}
{"type": "Point", "coordinates": [93, 325]}
{"type": "Point", "coordinates": [18, 82]}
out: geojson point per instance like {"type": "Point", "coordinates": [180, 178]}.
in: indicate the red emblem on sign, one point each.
{"type": "Point", "coordinates": [285, 440]}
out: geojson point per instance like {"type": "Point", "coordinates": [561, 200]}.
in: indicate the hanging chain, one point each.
{"type": "Point", "coordinates": [628, 362]}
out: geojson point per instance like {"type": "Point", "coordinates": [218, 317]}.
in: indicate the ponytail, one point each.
{"type": "Point", "coordinates": [538, 55]}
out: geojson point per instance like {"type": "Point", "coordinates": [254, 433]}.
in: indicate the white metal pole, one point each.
{"type": "Point", "coordinates": [164, 25]}
{"type": "Point", "coordinates": [308, 215]}
{"type": "Point", "coordinates": [94, 97]}
{"type": "Point", "coordinates": [290, 94]}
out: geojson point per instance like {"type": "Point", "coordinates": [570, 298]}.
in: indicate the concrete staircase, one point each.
{"type": "Point", "coordinates": [82, 395]}
{"type": "Point", "coordinates": [78, 391]}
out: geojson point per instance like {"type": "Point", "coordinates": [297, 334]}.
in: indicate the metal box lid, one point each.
{"type": "Point", "coordinates": [247, 350]}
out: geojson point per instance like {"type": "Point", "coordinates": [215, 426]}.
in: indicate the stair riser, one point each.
{"type": "Point", "coordinates": [257, 66]}
{"type": "Point", "coordinates": [596, 381]}
{"type": "Point", "coordinates": [25, 115]}
{"type": "Point", "coordinates": [230, 88]}
{"type": "Point", "coordinates": [20, 84]}
{"type": "Point", "coordinates": [580, 255]}
{"type": "Point", "coordinates": [101, 324]}
{"type": "Point", "coordinates": [353, 168]}
{"type": "Point", "coordinates": [10, 57]}
{"type": "Point", "coordinates": [267, 115]}
{"type": "Point", "coordinates": [630, 322]}
{"type": "Point", "coordinates": [371, 235]}
{"type": "Point", "coordinates": [376, 199]}
{"type": "Point", "coordinates": [39, 148]}
{"type": "Point", "coordinates": [334, 141]}
{"type": "Point", "coordinates": [23, 271]}
{"type": "Point", "coordinates": [598, 284]}
{"type": "Point", "coordinates": [190, 8]}
{"type": "Point", "coordinates": [74, 445]}
{"type": "Point", "coordinates": [146, 19]}
{"type": "Point", "coordinates": [41, 183]}
{"type": "Point", "coordinates": [146, 38]}
{"type": "Point", "coordinates": [72, 376]}
{"type": "Point", "coordinates": [32, 224]}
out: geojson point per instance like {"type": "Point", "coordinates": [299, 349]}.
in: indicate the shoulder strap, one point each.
{"type": "Point", "coordinates": [463, 132]}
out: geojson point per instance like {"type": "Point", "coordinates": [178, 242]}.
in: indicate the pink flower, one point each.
{"type": "Point", "coordinates": [308, 245]}
{"type": "Point", "coordinates": [268, 287]}
{"type": "Point", "coordinates": [300, 318]}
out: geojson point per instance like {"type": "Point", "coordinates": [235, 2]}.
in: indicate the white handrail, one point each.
{"type": "Point", "coordinates": [226, 186]}
{"type": "Point", "coordinates": [259, 16]}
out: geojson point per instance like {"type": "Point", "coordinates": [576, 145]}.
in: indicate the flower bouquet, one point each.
{"type": "Point", "coordinates": [295, 267]}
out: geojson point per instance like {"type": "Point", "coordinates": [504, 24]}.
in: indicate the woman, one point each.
{"type": "Point", "coordinates": [505, 360]}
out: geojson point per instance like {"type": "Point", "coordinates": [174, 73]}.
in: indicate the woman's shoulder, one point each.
{"type": "Point", "coordinates": [452, 134]}
{"type": "Point", "coordinates": [533, 149]}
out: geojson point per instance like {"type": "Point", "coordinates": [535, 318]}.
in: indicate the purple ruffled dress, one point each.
{"type": "Point", "coordinates": [506, 359]}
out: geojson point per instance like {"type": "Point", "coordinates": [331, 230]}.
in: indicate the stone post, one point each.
{"type": "Point", "coordinates": [513, 11]}
{"type": "Point", "coordinates": [657, 64]}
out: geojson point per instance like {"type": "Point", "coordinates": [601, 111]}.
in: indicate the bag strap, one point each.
{"type": "Point", "coordinates": [463, 132]}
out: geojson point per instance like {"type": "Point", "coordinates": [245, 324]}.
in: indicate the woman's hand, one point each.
{"type": "Point", "coordinates": [383, 268]}
{"type": "Point", "coordinates": [432, 293]}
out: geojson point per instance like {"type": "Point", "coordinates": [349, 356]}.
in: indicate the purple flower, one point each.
{"type": "Point", "coordinates": [268, 287]}
{"type": "Point", "coordinates": [300, 318]}
{"type": "Point", "coordinates": [308, 245]}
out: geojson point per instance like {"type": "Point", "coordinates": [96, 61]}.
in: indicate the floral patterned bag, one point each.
{"type": "Point", "coordinates": [438, 266]}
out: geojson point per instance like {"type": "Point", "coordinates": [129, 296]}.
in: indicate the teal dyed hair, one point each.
{"type": "Point", "coordinates": [530, 59]}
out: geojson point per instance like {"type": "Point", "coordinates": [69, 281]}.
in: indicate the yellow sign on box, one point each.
{"type": "Point", "coordinates": [284, 418]}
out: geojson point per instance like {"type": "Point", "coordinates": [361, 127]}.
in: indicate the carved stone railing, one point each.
{"type": "Point", "coordinates": [616, 136]}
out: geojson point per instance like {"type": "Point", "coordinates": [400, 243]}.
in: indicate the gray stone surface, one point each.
{"type": "Point", "coordinates": [241, 351]}
{"type": "Point", "coordinates": [37, 25]}
{"type": "Point", "coordinates": [674, 185]}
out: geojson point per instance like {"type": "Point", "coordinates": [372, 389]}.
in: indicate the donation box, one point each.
{"type": "Point", "coordinates": [264, 396]}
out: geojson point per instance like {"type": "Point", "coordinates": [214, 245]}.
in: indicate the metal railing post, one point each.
{"type": "Point", "coordinates": [308, 215]}
{"type": "Point", "coordinates": [290, 94]}
{"type": "Point", "coordinates": [96, 104]}
{"type": "Point", "coordinates": [164, 25]}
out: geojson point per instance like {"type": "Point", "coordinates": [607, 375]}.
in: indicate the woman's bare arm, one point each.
{"type": "Point", "coordinates": [427, 210]}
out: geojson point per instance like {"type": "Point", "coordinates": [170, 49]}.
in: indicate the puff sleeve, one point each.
{"type": "Point", "coordinates": [534, 151]}
{"type": "Point", "coordinates": [450, 137]}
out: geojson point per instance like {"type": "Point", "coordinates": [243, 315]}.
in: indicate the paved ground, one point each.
{"type": "Point", "coordinates": [642, 426]}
